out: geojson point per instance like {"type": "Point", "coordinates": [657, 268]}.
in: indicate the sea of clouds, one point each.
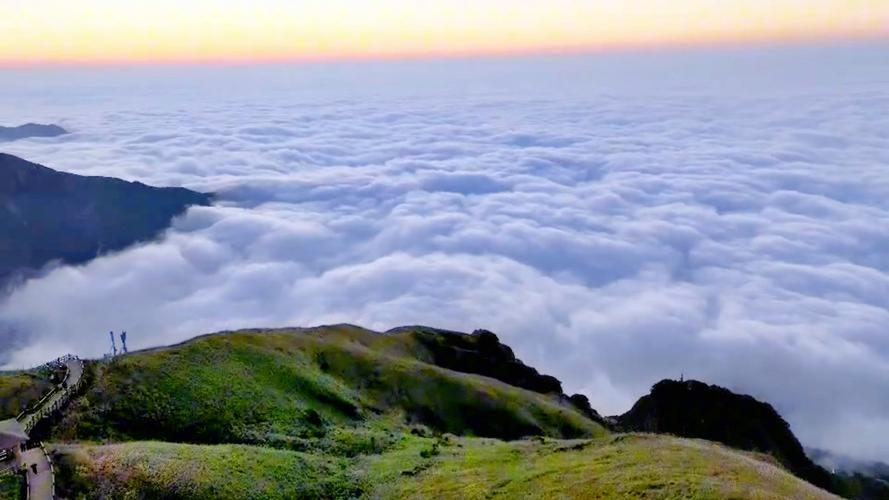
{"type": "Point", "coordinates": [720, 215]}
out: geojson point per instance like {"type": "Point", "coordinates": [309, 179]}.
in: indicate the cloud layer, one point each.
{"type": "Point", "coordinates": [614, 236]}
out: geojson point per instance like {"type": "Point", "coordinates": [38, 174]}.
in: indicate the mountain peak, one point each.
{"type": "Point", "coordinates": [30, 130]}
{"type": "Point", "coordinates": [690, 408]}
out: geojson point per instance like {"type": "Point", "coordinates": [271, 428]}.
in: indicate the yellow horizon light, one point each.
{"type": "Point", "coordinates": [97, 31]}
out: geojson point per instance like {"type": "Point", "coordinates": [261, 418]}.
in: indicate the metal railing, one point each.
{"type": "Point", "coordinates": [49, 403]}
{"type": "Point", "coordinates": [30, 416]}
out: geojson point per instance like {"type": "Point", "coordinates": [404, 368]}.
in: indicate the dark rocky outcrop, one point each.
{"type": "Point", "coordinates": [30, 130]}
{"type": "Point", "coordinates": [582, 403]}
{"type": "Point", "coordinates": [481, 353]}
{"type": "Point", "coordinates": [48, 216]}
{"type": "Point", "coordinates": [698, 410]}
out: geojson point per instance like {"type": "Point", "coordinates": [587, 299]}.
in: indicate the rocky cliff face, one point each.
{"type": "Point", "coordinates": [48, 216]}
{"type": "Point", "coordinates": [483, 354]}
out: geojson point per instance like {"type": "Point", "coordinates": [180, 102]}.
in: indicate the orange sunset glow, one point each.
{"type": "Point", "coordinates": [206, 30]}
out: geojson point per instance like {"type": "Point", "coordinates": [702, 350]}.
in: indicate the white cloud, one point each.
{"type": "Point", "coordinates": [613, 234]}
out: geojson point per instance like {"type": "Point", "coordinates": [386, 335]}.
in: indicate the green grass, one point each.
{"type": "Point", "coordinates": [342, 412]}
{"type": "Point", "coordinates": [11, 487]}
{"type": "Point", "coordinates": [625, 466]}
{"type": "Point", "coordinates": [19, 390]}
{"type": "Point", "coordinates": [169, 470]}
{"type": "Point", "coordinates": [292, 387]}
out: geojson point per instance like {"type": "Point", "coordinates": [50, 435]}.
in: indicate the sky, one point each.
{"type": "Point", "coordinates": [112, 31]}
{"type": "Point", "coordinates": [616, 218]}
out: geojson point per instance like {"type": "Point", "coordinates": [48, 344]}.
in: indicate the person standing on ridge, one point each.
{"type": "Point", "coordinates": [123, 341]}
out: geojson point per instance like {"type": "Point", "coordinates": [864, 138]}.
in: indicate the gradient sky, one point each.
{"type": "Point", "coordinates": [214, 30]}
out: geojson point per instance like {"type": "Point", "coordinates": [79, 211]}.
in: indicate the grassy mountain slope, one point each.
{"type": "Point", "coordinates": [622, 466]}
{"type": "Point", "coordinates": [284, 387]}
{"type": "Point", "coordinates": [19, 390]}
{"type": "Point", "coordinates": [627, 466]}
{"type": "Point", "coordinates": [171, 470]}
{"type": "Point", "coordinates": [344, 412]}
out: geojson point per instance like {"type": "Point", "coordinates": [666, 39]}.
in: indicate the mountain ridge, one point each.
{"type": "Point", "coordinates": [694, 409]}
{"type": "Point", "coordinates": [47, 215]}
{"type": "Point", "coordinates": [30, 130]}
{"type": "Point", "coordinates": [341, 411]}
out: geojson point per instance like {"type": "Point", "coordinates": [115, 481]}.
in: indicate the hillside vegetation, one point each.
{"type": "Point", "coordinates": [622, 466]}
{"type": "Point", "coordinates": [288, 388]}
{"type": "Point", "coordinates": [627, 466]}
{"type": "Point", "coordinates": [695, 409]}
{"type": "Point", "coordinates": [10, 487]}
{"type": "Point", "coordinates": [19, 390]}
{"type": "Point", "coordinates": [171, 470]}
{"type": "Point", "coordinates": [345, 412]}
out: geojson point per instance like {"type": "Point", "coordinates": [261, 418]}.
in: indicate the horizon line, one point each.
{"type": "Point", "coordinates": [729, 43]}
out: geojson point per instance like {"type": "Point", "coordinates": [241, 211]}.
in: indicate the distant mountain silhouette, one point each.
{"type": "Point", "coordinates": [48, 216]}
{"type": "Point", "coordinates": [30, 130]}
